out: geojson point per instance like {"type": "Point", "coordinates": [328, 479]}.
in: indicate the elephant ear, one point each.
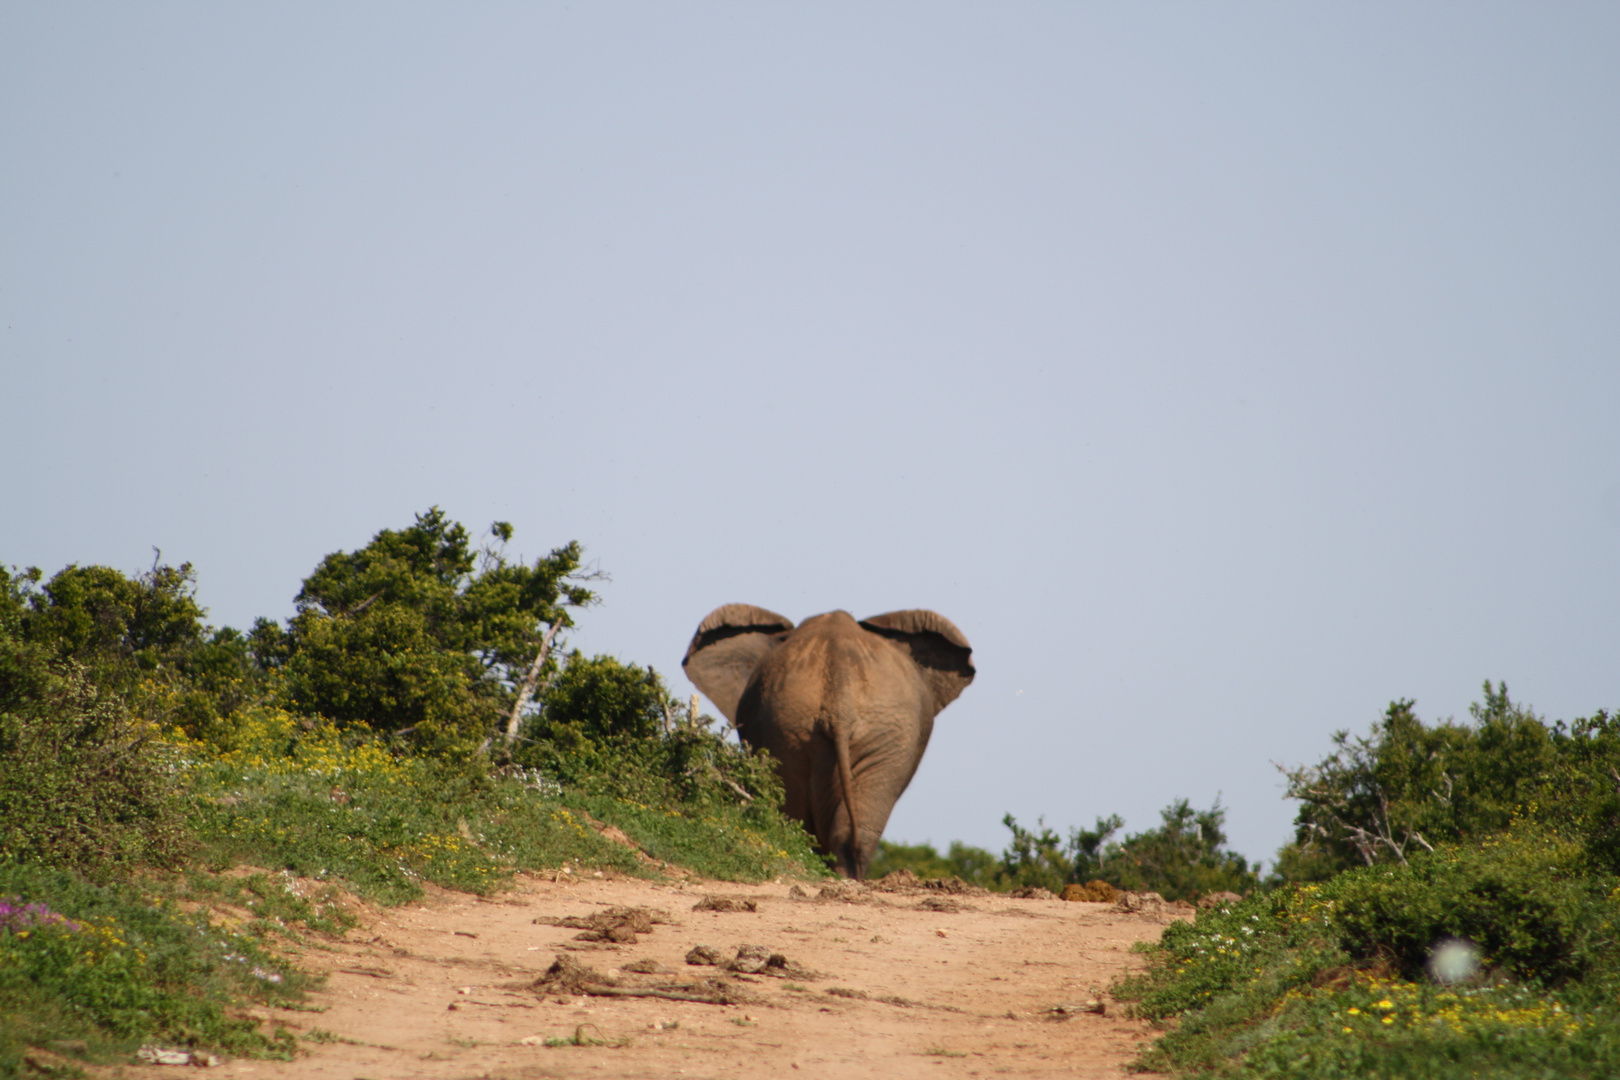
{"type": "Point", "coordinates": [936, 646]}
{"type": "Point", "coordinates": [729, 644]}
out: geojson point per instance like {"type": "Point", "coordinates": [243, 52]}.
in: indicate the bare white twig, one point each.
{"type": "Point", "coordinates": [526, 691]}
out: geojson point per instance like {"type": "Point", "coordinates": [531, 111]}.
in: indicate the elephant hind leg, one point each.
{"type": "Point", "coordinates": [832, 806]}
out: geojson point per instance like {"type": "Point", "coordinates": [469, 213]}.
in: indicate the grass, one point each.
{"type": "Point", "coordinates": [1328, 981]}
{"type": "Point", "coordinates": [300, 796]}
{"type": "Point", "coordinates": [726, 843]}
{"type": "Point", "coordinates": [579, 1038]}
{"type": "Point", "coordinates": [271, 905]}
{"type": "Point", "coordinates": [296, 795]}
{"type": "Point", "coordinates": [111, 966]}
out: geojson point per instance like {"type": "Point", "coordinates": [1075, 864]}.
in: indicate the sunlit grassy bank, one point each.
{"type": "Point", "coordinates": [89, 970]}
{"type": "Point", "coordinates": [1492, 961]}
{"type": "Point", "coordinates": [299, 794]}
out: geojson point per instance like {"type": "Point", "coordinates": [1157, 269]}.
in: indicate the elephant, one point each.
{"type": "Point", "coordinates": [844, 706]}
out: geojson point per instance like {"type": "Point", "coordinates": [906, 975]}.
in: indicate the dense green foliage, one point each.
{"type": "Point", "coordinates": [140, 638]}
{"type": "Point", "coordinates": [1408, 787]}
{"type": "Point", "coordinates": [1182, 859]}
{"type": "Point", "coordinates": [594, 701]}
{"type": "Point", "coordinates": [1329, 979]}
{"type": "Point", "coordinates": [1465, 920]}
{"type": "Point", "coordinates": [418, 634]}
{"type": "Point", "coordinates": [84, 784]}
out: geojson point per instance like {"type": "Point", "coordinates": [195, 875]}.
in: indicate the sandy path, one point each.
{"type": "Point", "coordinates": [442, 989]}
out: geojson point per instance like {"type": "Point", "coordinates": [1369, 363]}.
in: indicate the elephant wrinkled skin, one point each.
{"type": "Point", "coordinates": [844, 707]}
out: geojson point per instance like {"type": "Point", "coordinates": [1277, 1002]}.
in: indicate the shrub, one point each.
{"type": "Point", "coordinates": [1329, 979]}
{"type": "Point", "coordinates": [601, 698]}
{"type": "Point", "coordinates": [1182, 859]}
{"type": "Point", "coordinates": [1043, 859]}
{"type": "Point", "coordinates": [140, 638]}
{"type": "Point", "coordinates": [1521, 897]}
{"type": "Point", "coordinates": [1409, 787]}
{"type": "Point", "coordinates": [85, 785]}
{"type": "Point", "coordinates": [418, 634]}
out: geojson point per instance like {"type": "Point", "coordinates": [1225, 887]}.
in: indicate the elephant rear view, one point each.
{"type": "Point", "coordinates": [845, 708]}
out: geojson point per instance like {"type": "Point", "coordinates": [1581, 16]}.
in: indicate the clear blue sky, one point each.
{"type": "Point", "coordinates": [1224, 371]}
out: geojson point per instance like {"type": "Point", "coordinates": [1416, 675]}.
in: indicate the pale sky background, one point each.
{"type": "Point", "coordinates": [1224, 371]}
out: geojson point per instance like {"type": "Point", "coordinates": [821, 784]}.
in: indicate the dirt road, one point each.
{"type": "Point", "coordinates": [894, 985]}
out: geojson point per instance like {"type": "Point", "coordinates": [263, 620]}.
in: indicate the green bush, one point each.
{"type": "Point", "coordinates": [601, 698]}
{"type": "Point", "coordinates": [1408, 787]}
{"type": "Point", "coordinates": [1329, 979]}
{"type": "Point", "coordinates": [1521, 897]}
{"type": "Point", "coordinates": [1044, 860]}
{"type": "Point", "coordinates": [1493, 843]}
{"type": "Point", "coordinates": [1182, 859]}
{"type": "Point", "coordinates": [139, 638]}
{"type": "Point", "coordinates": [85, 785]}
{"type": "Point", "coordinates": [420, 635]}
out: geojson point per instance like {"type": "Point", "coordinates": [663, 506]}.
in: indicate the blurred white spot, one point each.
{"type": "Point", "coordinates": [1453, 961]}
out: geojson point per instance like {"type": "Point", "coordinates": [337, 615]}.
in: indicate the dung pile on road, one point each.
{"type": "Point", "coordinates": [1094, 892]}
{"type": "Point", "coordinates": [724, 903]}
{"type": "Point", "coordinates": [568, 977]}
{"type": "Point", "coordinates": [615, 925]}
{"type": "Point", "coordinates": [751, 960]}
{"type": "Point", "coordinates": [898, 883]}
{"type": "Point", "coordinates": [906, 883]}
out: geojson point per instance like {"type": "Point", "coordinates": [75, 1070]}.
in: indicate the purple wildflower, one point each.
{"type": "Point", "coordinates": [16, 915]}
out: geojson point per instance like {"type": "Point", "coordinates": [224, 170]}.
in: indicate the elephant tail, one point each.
{"type": "Point", "coordinates": [846, 780]}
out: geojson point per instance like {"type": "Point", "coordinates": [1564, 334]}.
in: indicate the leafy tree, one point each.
{"type": "Point", "coordinates": [1183, 859]}
{"type": "Point", "coordinates": [115, 625]}
{"type": "Point", "coordinates": [1408, 787]}
{"type": "Point", "coordinates": [141, 637]}
{"type": "Point", "coordinates": [600, 698]}
{"type": "Point", "coordinates": [1045, 859]}
{"type": "Point", "coordinates": [419, 634]}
